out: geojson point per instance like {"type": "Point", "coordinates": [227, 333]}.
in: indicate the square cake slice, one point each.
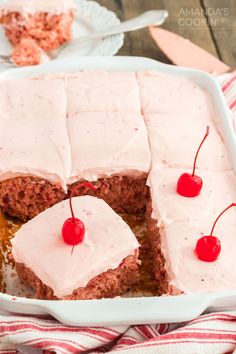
{"type": "Point", "coordinates": [167, 93]}
{"type": "Point", "coordinates": [104, 264]}
{"type": "Point", "coordinates": [168, 206]}
{"type": "Point", "coordinates": [33, 98]}
{"type": "Point", "coordinates": [176, 266]}
{"type": "Point", "coordinates": [47, 22]}
{"type": "Point", "coordinates": [175, 137]}
{"type": "Point", "coordinates": [112, 149]}
{"type": "Point", "coordinates": [35, 162]}
{"type": "Point", "coordinates": [100, 91]}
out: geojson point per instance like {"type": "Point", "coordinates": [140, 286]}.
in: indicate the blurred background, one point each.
{"type": "Point", "coordinates": [211, 24]}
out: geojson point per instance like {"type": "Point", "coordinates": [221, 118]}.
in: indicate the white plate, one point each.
{"type": "Point", "coordinates": [90, 17]}
{"type": "Point", "coordinates": [120, 311]}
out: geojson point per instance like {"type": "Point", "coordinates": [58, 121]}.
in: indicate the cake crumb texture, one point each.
{"type": "Point", "coordinates": [106, 285]}
{"type": "Point", "coordinates": [49, 31]}
{"type": "Point", "coordinates": [28, 53]}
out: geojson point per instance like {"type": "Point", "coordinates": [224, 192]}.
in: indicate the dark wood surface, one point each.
{"type": "Point", "coordinates": [210, 24]}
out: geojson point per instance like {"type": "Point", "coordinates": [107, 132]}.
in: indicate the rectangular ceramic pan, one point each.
{"type": "Point", "coordinates": [120, 311]}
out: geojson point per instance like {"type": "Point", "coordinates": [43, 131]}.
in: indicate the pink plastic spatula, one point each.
{"type": "Point", "coordinates": [183, 52]}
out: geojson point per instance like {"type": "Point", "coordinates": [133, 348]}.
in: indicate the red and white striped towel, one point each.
{"type": "Point", "coordinates": [208, 334]}
{"type": "Point", "coordinates": [228, 85]}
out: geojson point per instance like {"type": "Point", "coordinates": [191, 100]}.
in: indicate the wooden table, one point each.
{"type": "Point", "coordinates": [209, 23]}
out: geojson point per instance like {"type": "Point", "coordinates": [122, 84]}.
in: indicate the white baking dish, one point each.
{"type": "Point", "coordinates": [120, 311]}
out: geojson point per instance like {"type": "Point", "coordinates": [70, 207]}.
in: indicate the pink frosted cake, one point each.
{"type": "Point", "coordinates": [136, 137]}
{"type": "Point", "coordinates": [34, 161]}
{"type": "Point", "coordinates": [108, 146]}
{"type": "Point", "coordinates": [108, 137]}
{"type": "Point", "coordinates": [166, 93]}
{"type": "Point", "coordinates": [111, 149]}
{"type": "Point", "coordinates": [104, 264]}
{"type": "Point", "coordinates": [47, 22]}
{"type": "Point", "coordinates": [36, 98]}
{"type": "Point", "coordinates": [173, 144]}
{"type": "Point", "coordinates": [176, 119]}
{"type": "Point", "coordinates": [102, 91]}
{"type": "Point", "coordinates": [176, 223]}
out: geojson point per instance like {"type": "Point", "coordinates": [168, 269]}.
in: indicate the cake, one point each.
{"type": "Point", "coordinates": [34, 98]}
{"type": "Point", "coordinates": [102, 91]}
{"type": "Point", "coordinates": [136, 137]}
{"type": "Point", "coordinates": [176, 118]}
{"type": "Point", "coordinates": [107, 145]}
{"type": "Point", "coordinates": [111, 149]}
{"type": "Point", "coordinates": [169, 206]}
{"type": "Point", "coordinates": [47, 22]}
{"type": "Point", "coordinates": [166, 93]}
{"type": "Point", "coordinates": [34, 160]}
{"type": "Point", "coordinates": [174, 144]}
{"type": "Point", "coordinates": [104, 264]}
{"type": "Point", "coordinates": [175, 224]}
{"type": "Point", "coordinates": [27, 53]}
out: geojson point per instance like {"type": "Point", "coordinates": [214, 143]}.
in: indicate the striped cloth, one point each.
{"type": "Point", "coordinates": [209, 334]}
{"type": "Point", "coordinates": [228, 85]}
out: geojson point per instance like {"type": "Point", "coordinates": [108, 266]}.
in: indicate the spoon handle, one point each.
{"type": "Point", "coordinates": [149, 18]}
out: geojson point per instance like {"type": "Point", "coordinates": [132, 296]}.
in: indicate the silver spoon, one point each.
{"type": "Point", "coordinates": [149, 18]}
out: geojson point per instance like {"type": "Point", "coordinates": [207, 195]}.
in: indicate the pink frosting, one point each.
{"type": "Point", "coordinates": [177, 112]}
{"type": "Point", "coordinates": [114, 102]}
{"type": "Point", "coordinates": [168, 206]}
{"type": "Point", "coordinates": [186, 271]}
{"type": "Point", "coordinates": [172, 94]}
{"type": "Point", "coordinates": [112, 139]}
{"type": "Point", "coordinates": [37, 147]}
{"type": "Point", "coordinates": [39, 244]}
{"type": "Point", "coordinates": [182, 221]}
{"type": "Point", "coordinates": [175, 137]}
{"type": "Point", "coordinates": [107, 143]}
{"type": "Point", "coordinates": [33, 98]}
{"type": "Point", "coordinates": [95, 91]}
{"type": "Point", "coordinates": [33, 6]}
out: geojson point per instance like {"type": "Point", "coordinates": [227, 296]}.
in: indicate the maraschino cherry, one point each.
{"type": "Point", "coordinates": [190, 185]}
{"type": "Point", "coordinates": [208, 247]}
{"type": "Point", "coordinates": [73, 229]}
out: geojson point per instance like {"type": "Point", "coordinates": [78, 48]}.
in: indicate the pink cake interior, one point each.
{"type": "Point", "coordinates": [28, 53]}
{"type": "Point", "coordinates": [45, 25]}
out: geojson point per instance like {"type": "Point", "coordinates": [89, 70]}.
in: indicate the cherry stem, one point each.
{"type": "Point", "coordinates": [72, 192]}
{"type": "Point", "coordinates": [199, 148]}
{"type": "Point", "coordinates": [213, 227]}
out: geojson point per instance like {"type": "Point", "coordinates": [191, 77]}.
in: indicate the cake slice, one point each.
{"type": "Point", "coordinates": [176, 223]}
{"type": "Point", "coordinates": [47, 22]}
{"type": "Point", "coordinates": [176, 266]}
{"type": "Point", "coordinates": [35, 162]}
{"type": "Point", "coordinates": [174, 138]}
{"type": "Point", "coordinates": [100, 91]}
{"type": "Point", "coordinates": [104, 264]}
{"type": "Point", "coordinates": [161, 92]}
{"type": "Point", "coordinates": [33, 98]}
{"type": "Point", "coordinates": [168, 206]}
{"type": "Point", "coordinates": [112, 150]}
{"type": "Point", "coordinates": [28, 53]}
